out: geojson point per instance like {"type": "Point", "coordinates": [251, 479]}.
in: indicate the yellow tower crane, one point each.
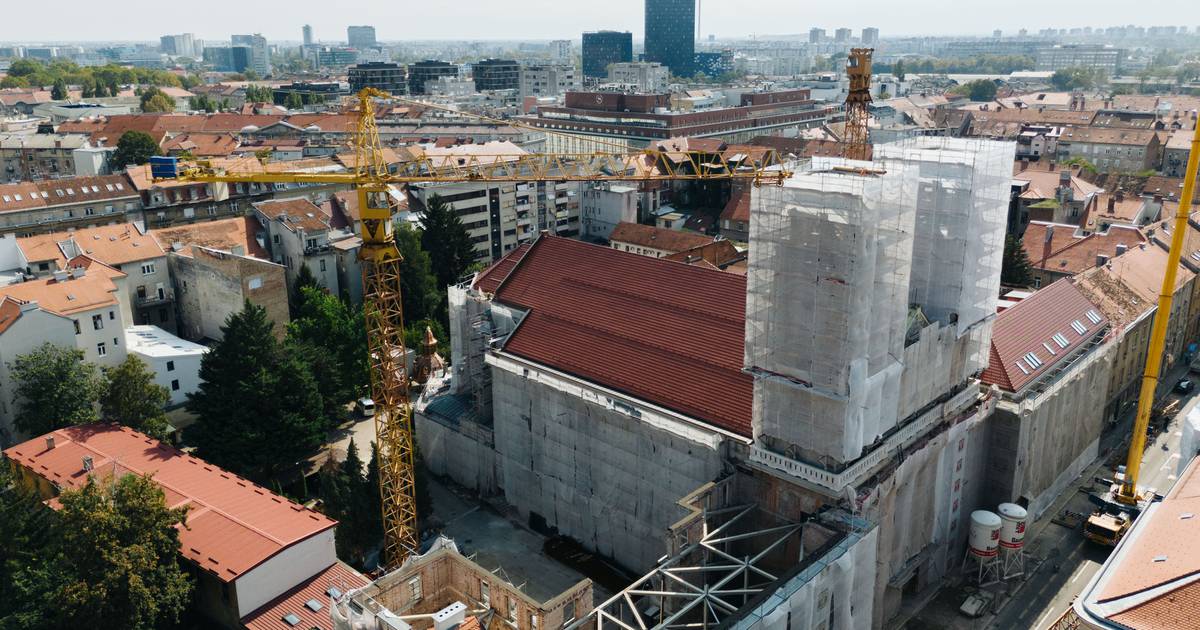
{"type": "Point", "coordinates": [1113, 519]}
{"type": "Point", "coordinates": [381, 260]}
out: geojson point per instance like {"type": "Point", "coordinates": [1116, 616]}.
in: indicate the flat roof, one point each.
{"type": "Point", "coordinates": [156, 342]}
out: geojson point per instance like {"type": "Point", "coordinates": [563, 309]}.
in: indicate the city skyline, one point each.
{"type": "Point", "coordinates": [545, 19]}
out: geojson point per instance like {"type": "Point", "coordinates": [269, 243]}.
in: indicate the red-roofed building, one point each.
{"type": "Point", "coordinates": [1047, 360]}
{"type": "Point", "coordinates": [656, 242]}
{"type": "Point", "coordinates": [1058, 250]}
{"type": "Point", "coordinates": [598, 347]}
{"type": "Point", "coordinates": [1151, 581]}
{"type": "Point", "coordinates": [251, 547]}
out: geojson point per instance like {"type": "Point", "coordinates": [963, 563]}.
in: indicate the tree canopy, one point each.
{"type": "Point", "coordinates": [108, 559]}
{"type": "Point", "coordinates": [1078, 78]}
{"type": "Point", "coordinates": [134, 148]}
{"type": "Point", "coordinates": [331, 339]}
{"type": "Point", "coordinates": [446, 240]}
{"type": "Point", "coordinates": [54, 388]}
{"type": "Point", "coordinates": [1015, 269]}
{"type": "Point", "coordinates": [979, 90]}
{"type": "Point", "coordinates": [259, 94]}
{"type": "Point", "coordinates": [130, 397]}
{"type": "Point", "coordinates": [419, 289]}
{"type": "Point", "coordinates": [35, 73]}
{"type": "Point", "coordinates": [155, 100]}
{"type": "Point", "coordinates": [259, 408]}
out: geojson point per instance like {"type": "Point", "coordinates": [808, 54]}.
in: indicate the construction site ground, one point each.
{"type": "Point", "coordinates": [503, 545]}
{"type": "Point", "coordinates": [1060, 561]}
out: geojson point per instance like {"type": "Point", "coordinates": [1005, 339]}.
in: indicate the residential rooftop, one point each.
{"type": "Point", "coordinates": [233, 525]}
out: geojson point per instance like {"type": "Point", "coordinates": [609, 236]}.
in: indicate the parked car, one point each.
{"type": "Point", "coordinates": [1184, 386]}
{"type": "Point", "coordinates": [365, 407]}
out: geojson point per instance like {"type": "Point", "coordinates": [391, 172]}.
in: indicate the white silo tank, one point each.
{"type": "Point", "coordinates": [1012, 525]}
{"type": "Point", "coordinates": [984, 538]}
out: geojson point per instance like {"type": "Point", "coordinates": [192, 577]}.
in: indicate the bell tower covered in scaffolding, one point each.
{"type": "Point", "coordinates": [858, 104]}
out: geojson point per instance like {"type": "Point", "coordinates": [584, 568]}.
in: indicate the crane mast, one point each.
{"type": "Point", "coordinates": [381, 260]}
{"type": "Point", "coordinates": [858, 104]}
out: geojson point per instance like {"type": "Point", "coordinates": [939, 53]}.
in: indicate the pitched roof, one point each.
{"type": "Point", "coordinates": [1108, 135]}
{"type": "Point", "coordinates": [72, 190]}
{"type": "Point", "coordinates": [1043, 184]}
{"type": "Point", "coordinates": [233, 525]}
{"type": "Point", "coordinates": [718, 254]}
{"type": "Point", "coordinates": [656, 237]}
{"type": "Point", "coordinates": [318, 587]}
{"type": "Point", "coordinates": [295, 214]}
{"type": "Point", "coordinates": [588, 308]}
{"type": "Point", "coordinates": [738, 207]}
{"type": "Point", "coordinates": [1059, 248]}
{"type": "Point", "coordinates": [1039, 332]}
{"type": "Point", "coordinates": [1152, 581]}
{"type": "Point", "coordinates": [237, 233]}
{"type": "Point", "coordinates": [203, 144]}
{"type": "Point", "coordinates": [95, 289]}
{"type": "Point", "coordinates": [492, 277]}
{"type": "Point", "coordinates": [110, 244]}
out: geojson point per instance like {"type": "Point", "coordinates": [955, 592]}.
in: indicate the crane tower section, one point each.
{"type": "Point", "coordinates": [858, 104]}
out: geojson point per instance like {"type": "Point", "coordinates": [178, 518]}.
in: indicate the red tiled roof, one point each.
{"type": "Point", "coordinates": [270, 615]}
{"type": "Point", "coordinates": [1070, 254]}
{"type": "Point", "coordinates": [738, 208]}
{"type": "Point", "coordinates": [233, 525]}
{"type": "Point", "coordinates": [656, 237]}
{"type": "Point", "coordinates": [493, 276]}
{"type": "Point", "coordinates": [223, 234]}
{"type": "Point", "coordinates": [668, 333]}
{"type": "Point", "coordinates": [1030, 327]}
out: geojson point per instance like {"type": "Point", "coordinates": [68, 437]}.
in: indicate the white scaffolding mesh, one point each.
{"type": "Point", "coordinates": [961, 213]}
{"type": "Point", "coordinates": [839, 254]}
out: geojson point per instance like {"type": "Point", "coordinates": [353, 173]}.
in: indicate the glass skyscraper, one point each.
{"type": "Point", "coordinates": [604, 48]}
{"type": "Point", "coordinates": [671, 34]}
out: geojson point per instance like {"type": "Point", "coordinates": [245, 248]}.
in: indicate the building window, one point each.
{"type": "Point", "coordinates": [533, 621]}
{"type": "Point", "coordinates": [89, 211]}
{"type": "Point", "coordinates": [147, 269]}
{"type": "Point", "coordinates": [112, 315]}
{"type": "Point", "coordinates": [414, 588]}
{"type": "Point", "coordinates": [170, 366]}
{"type": "Point", "coordinates": [98, 322]}
{"type": "Point", "coordinates": [322, 264]}
{"type": "Point", "coordinates": [512, 610]}
{"type": "Point", "coordinates": [275, 239]}
{"type": "Point", "coordinates": [43, 266]}
{"type": "Point", "coordinates": [101, 349]}
{"type": "Point", "coordinates": [76, 322]}
{"type": "Point", "coordinates": [568, 612]}
{"type": "Point", "coordinates": [115, 343]}
{"type": "Point", "coordinates": [485, 596]}
{"type": "Point", "coordinates": [175, 385]}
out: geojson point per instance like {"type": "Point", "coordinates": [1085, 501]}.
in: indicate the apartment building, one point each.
{"type": "Point", "coordinates": [174, 362]}
{"type": "Point", "coordinates": [299, 233]}
{"type": "Point", "coordinates": [52, 205]}
{"type": "Point", "coordinates": [549, 80]}
{"type": "Point", "coordinates": [1112, 149]}
{"type": "Point", "coordinates": [26, 157]}
{"type": "Point", "coordinates": [641, 76]}
{"type": "Point", "coordinates": [500, 216]}
{"type": "Point", "coordinates": [125, 247]}
{"type": "Point", "coordinates": [1097, 56]}
{"type": "Point", "coordinates": [606, 204]}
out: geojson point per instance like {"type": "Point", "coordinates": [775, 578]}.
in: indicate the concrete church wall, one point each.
{"type": "Point", "coordinates": [599, 475]}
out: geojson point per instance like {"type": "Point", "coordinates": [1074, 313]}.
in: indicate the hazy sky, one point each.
{"type": "Point", "coordinates": [28, 20]}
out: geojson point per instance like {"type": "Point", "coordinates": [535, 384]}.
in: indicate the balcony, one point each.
{"type": "Point", "coordinates": [162, 296]}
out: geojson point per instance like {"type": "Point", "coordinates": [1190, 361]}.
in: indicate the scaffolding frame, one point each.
{"type": "Point", "coordinates": [704, 584]}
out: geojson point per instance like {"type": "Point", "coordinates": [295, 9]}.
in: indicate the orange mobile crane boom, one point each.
{"type": "Point", "coordinates": [371, 176]}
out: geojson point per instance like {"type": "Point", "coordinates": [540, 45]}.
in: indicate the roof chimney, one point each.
{"type": "Point", "coordinates": [49, 442]}
{"type": "Point", "coordinates": [1049, 233]}
{"type": "Point", "coordinates": [1064, 178]}
{"type": "Point", "coordinates": [87, 462]}
{"type": "Point", "coordinates": [78, 272]}
{"type": "Point", "coordinates": [61, 275]}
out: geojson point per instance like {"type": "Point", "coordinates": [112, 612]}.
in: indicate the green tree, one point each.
{"type": "Point", "coordinates": [155, 100]}
{"type": "Point", "coordinates": [108, 559]}
{"type": "Point", "coordinates": [1082, 163]}
{"type": "Point", "coordinates": [134, 148]}
{"type": "Point", "coordinates": [131, 398]}
{"type": "Point", "coordinates": [118, 556]}
{"type": "Point", "coordinates": [294, 101]}
{"type": "Point", "coordinates": [55, 388]}
{"type": "Point", "coordinates": [330, 337]}
{"type": "Point", "coordinates": [345, 491]}
{"type": "Point", "coordinates": [898, 70]}
{"type": "Point", "coordinates": [1015, 270]}
{"type": "Point", "coordinates": [258, 407]}
{"type": "Point", "coordinates": [304, 280]}
{"type": "Point", "coordinates": [59, 91]}
{"type": "Point", "coordinates": [87, 90]}
{"type": "Point", "coordinates": [444, 237]}
{"type": "Point", "coordinates": [419, 292]}
{"type": "Point", "coordinates": [981, 90]}
{"type": "Point", "coordinates": [258, 94]}
{"type": "Point", "coordinates": [1077, 78]}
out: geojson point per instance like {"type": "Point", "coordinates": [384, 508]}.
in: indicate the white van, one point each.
{"type": "Point", "coordinates": [366, 407]}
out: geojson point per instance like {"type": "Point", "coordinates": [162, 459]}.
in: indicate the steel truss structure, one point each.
{"type": "Point", "coordinates": [706, 582]}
